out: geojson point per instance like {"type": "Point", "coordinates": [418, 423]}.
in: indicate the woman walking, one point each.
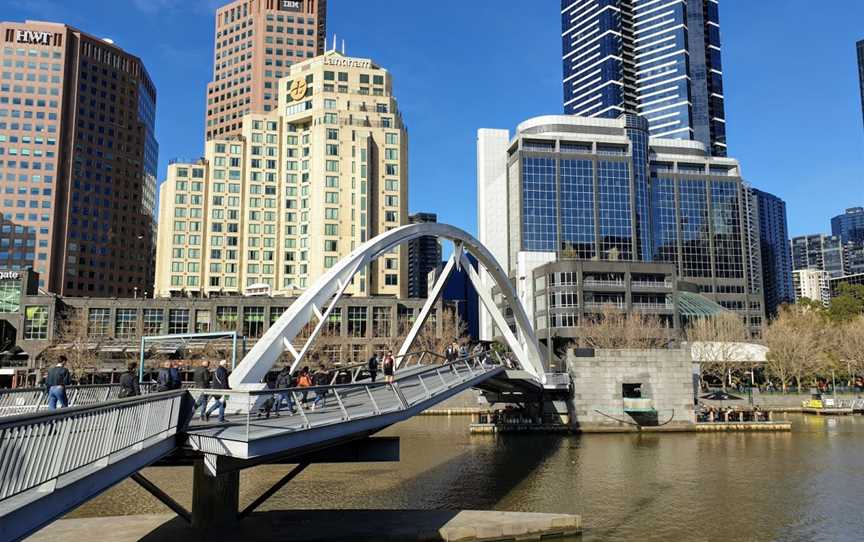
{"type": "Point", "coordinates": [389, 366]}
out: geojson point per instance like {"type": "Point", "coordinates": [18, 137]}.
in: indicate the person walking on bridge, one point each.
{"type": "Point", "coordinates": [220, 382]}
{"type": "Point", "coordinates": [57, 380]}
{"type": "Point", "coordinates": [283, 382]}
{"type": "Point", "coordinates": [451, 352]}
{"type": "Point", "coordinates": [322, 378]}
{"type": "Point", "coordinates": [389, 366]}
{"type": "Point", "coordinates": [373, 366]}
{"type": "Point", "coordinates": [176, 381]}
{"type": "Point", "coordinates": [203, 379]}
{"type": "Point", "coordinates": [129, 382]}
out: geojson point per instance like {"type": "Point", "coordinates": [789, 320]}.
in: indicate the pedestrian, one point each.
{"type": "Point", "coordinates": [304, 381]}
{"type": "Point", "coordinates": [451, 352]}
{"type": "Point", "coordinates": [176, 379]}
{"type": "Point", "coordinates": [322, 379]}
{"type": "Point", "coordinates": [163, 379]}
{"type": "Point", "coordinates": [219, 382]}
{"type": "Point", "coordinates": [373, 366]}
{"type": "Point", "coordinates": [57, 380]}
{"type": "Point", "coordinates": [389, 367]}
{"type": "Point", "coordinates": [267, 406]}
{"type": "Point", "coordinates": [202, 379]}
{"type": "Point", "coordinates": [283, 383]}
{"type": "Point", "coordinates": [463, 351]}
{"type": "Point", "coordinates": [129, 382]}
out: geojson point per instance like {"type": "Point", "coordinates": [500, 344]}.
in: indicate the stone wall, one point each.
{"type": "Point", "coordinates": [666, 378]}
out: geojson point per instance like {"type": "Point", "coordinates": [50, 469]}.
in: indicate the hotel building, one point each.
{"type": "Point", "coordinates": [300, 188]}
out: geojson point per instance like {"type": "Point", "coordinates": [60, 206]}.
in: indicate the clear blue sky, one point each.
{"type": "Point", "coordinates": [792, 104]}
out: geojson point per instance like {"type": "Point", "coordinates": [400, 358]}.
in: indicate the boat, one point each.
{"type": "Point", "coordinates": [823, 405]}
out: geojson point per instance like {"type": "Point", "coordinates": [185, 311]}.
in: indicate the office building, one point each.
{"type": "Point", "coordinates": [424, 255]}
{"type": "Point", "coordinates": [853, 258]}
{"type": "Point", "coordinates": [849, 226]}
{"type": "Point", "coordinates": [819, 251]}
{"type": "Point", "coordinates": [860, 48]}
{"type": "Point", "coordinates": [660, 60]}
{"type": "Point", "coordinates": [256, 42]}
{"type": "Point", "coordinates": [776, 259]}
{"type": "Point", "coordinates": [835, 284]}
{"type": "Point", "coordinates": [301, 188]}
{"type": "Point", "coordinates": [78, 159]}
{"type": "Point", "coordinates": [596, 189]}
{"type": "Point", "coordinates": [812, 284]}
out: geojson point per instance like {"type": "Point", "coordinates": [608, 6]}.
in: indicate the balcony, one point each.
{"type": "Point", "coordinates": [653, 306]}
{"type": "Point", "coordinates": [620, 305]}
{"type": "Point", "coordinates": [595, 283]}
{"type": "Point", "coordinates": [649, 284]}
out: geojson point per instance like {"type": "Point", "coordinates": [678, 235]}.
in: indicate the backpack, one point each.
{"type": "Point", "coordinates": [304, 381]}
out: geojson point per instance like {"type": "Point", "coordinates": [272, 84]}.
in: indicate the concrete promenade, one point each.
{"type": "Point", "coordinates": [329, 525]}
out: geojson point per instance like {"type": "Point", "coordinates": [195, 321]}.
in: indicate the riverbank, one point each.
{"type": "Point", "coordinates": [330, 525]}
{"type": "Point", "coordinates": [713, 427]}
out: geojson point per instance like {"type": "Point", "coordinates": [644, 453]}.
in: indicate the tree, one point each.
{"type": "Point", "coordinates": [848, 304]}
{"type": "Point", "coordinates": [615, 329]}
{"type": "Point", "coordinates": [795, 340]}
{"type": "Point", "coordinates": [453, 329]}
{"type": "Point", "coordinates": [847, 344]}
{"type": "Point", "coordinates": [74, 341]}
{"type": "Point", "coordinates": [719, 345]}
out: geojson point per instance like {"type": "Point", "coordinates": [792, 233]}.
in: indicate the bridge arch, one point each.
{"type": "Point", "coordinates": [318, 300]}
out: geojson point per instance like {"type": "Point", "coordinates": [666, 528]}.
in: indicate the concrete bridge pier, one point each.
{"type": "Point", "coordinates": [215, 498]}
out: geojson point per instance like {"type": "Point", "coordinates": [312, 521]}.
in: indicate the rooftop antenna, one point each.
{"type": "Point", "coordinates": [343, 47]}
{"type": "Point", "coordinates": [334, 42]}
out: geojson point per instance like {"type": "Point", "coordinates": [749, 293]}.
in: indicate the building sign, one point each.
{"type": "Point", "coordinates": [298, 89]}
{"type": "Point", "coordinates": [33, 37]}
{"type": "Point", "coordinates": [291, 5]}
{"type": "Point", "coordinates": [10, 275]}
{"type": "Point", "coordinates": [347, 62]}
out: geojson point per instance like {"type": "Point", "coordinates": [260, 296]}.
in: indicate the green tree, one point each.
{"type": "Point", "coordinates": [848, 304]}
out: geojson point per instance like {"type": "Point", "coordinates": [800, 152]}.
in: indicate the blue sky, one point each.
{"type": "Point", "coordinates": [792, 104]}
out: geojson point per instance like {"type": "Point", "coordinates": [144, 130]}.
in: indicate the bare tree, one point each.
{"type": "Point", "coordinates": [74, 341]}
{"type": "Point", "coordinates": [847, 346]}
{"type": "Point", "coordinates": [453, 329]}
{"type": "Point", "coordinates": [718, 344]}
{"type": "Point", "coordinates": [795, 343]}
{"type": "Point", "coordinates": [615, 329]}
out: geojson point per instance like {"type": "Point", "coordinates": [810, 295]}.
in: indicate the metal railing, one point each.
{"type": "Point", "coordinates": [375, 398]}
{"type": "Point", "coordinates": [605, 304]}
{"type": "Point", "coordinates": [651, 284]}
{"type": "Point", "coordinates": [29, 400]}
{"type": "Point", "coordinates": [653, 306]}
{"type": "Point", "coordinates": [603, 283]}
{"type": "Point", "coordinates": [37, 449]}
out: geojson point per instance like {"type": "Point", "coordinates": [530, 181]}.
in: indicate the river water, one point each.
{"type": "Point", "coordinates": [803, 485]}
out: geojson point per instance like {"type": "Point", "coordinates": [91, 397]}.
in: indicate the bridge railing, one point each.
{"type": "Point", "coordinates": [369, 398]}
{"type": "Point", "coordinates": [29, 400]}
{"type": "Point", "coordinates": [38, 449]}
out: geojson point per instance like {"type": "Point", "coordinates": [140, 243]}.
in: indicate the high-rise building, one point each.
{"type": "Point", "coordinates": [299, 189]}
{"type": "Point", "coordinates": [849, 226]}
{"type": "Point", "coordinates": [776, 258]}
{"type": "Point", "coordinates": [657, 59]}
{"type": "Point", "coordinates": [424, 255]}
{"type": "Point", "coordinates": [819, 251]}
{"type": "Point", "coordinates": [860, 47]}
{"type": "Point", "coordinates": [813, 284]}
{"type": "Point", "coordinates": [596, 189]}
{"type": "Point", "coordinates": [78, 159]}
{"type": "Point", "coordinates": [256, 42]}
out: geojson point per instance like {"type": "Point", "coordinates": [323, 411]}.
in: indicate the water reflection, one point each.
{"type": "Point", "coordinates": [767, 486]}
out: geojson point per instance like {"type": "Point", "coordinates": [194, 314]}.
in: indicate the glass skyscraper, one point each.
{"type": "Point", "coordinates": [849, 226]}
{"type": "Point", "coordinates": [776, 258]}
{"type": "Point", "coordinates": [656, 58]}
{"type": "Point", "coordinates": [860, 48]}
{"type": "Point", "coordinates": [819, 251]}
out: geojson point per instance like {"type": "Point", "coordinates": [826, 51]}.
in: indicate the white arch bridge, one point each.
{"type": "Point", "coordinates": [53, 461]}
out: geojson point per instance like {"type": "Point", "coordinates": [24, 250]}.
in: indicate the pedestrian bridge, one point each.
{"type": "Point", "coordinates": [53, 461]}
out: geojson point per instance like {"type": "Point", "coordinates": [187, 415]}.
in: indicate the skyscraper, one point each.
{"type": "Point", "coordinates": [776, 258]}
{"type": "Point", "coordinates": [424, 255]}
{"type": "Point", "coordinates": [860, 48]}
{"type": "Point", "coordinates": [818, 251]}
{"type": "Point", "coordinates": [849, 226]}
{"type": "Point", "coordinates": [256, 42]}
{"type": "Point", "coordinates": [660, 60]}
{"type": "Point", "coordinates": [78, 159]}
{"type": "Point", "coordinates": [301, 188]}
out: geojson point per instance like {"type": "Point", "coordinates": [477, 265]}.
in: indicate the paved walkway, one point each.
{"type": "Point", "coordinates": [326, 525]}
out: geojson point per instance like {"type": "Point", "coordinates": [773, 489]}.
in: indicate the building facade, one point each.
{"type": "Point", "coordinates": [849, 226]}
{"type": "Point", "coordinates": [813, 284]}
{"type": "Point", "coordinates": [860, 48]}
{"type": "Point", "coordinates": [299, 189]}
{"type": "Point", "coordinates": [657, 59]}
{"type": "Point", "coordinates": [78, 159]}
{"type": "Point", "coordinates": [256, 42]}
{"type": "Point", "coordinates": [424, 255]}
{"type": "Point", "coordinates": [597, 189]}
{"type": "Point", "coordinates": [818, 251]}
{"type": "Point", "coordinates": [775, 254]}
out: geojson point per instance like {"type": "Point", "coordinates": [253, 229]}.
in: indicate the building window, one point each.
{"type": "Point", "coordinates": [226, 318]}
{"type": "Point", "coordinates": [126, 324]}
{"type": "Point", "coordinates": [35, 323]}
{"type": "Point", "coordinates": [98, 322]}
{"type": "Point", "coordinates": [153, 321]}
{"type": "Point", "coordinates": [381, 321]}
{"type": "Point", "coordinates": [357, 321]}
{"type": "Point", "coordinates": [253, 321]}
{"type": "Point", "coordinates": [202, 321]}
{"type": "Point", "coordinates": [178, 321]}
{"type": "Point", "coordinates": [391, 280]}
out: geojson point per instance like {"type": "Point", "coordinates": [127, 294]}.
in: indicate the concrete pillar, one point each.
{"type": "Point", "coordinates": [215, 499]}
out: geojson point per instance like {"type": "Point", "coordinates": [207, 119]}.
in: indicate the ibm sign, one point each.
{"type": "Point", "coordinates": [33, 37]}
{"type": "Point", "coordinates": [291, 5]}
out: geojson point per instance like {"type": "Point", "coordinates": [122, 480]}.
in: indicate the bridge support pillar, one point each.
{"type": "Point", "coordinates": [215, 499]}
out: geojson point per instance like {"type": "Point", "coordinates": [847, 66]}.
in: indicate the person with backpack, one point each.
{"type": "Point", "coordinates": [284, 382]}
{"type": "Point", "coordinates": [389, 367]}
{"type": "Point", "coordinates": [163, 379]}
{"type": "Point", "coordinates": [176, 380]}
{"type": "Point", "coordinates": [202, 379]}
{"type": "Point", "coordinates": [129, 386]}
{"type": "Point", "coordinates": [373, 366]}
{"type": "Point", "coordinates": [220, 382]}
{"type": "Point", "coordinates": [322, 378]}
{"type": "Point", "coordinates": [304, 381]}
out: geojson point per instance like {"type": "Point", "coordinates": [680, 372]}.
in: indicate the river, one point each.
{"type": "Point", "coordinates": [802, 485]}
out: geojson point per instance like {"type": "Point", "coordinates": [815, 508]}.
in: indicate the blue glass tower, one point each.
{"type": "Point", "coordinates": [776, 257]}
{"type": "Point", "coordinates": [849, 226]}
{"type": "Point", "coordinates": [860, 47]}
{"type": "Point", "coordinates": [660, 60]}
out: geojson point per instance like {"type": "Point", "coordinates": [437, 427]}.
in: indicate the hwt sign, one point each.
{"type": "Point", "coordinates": [33, 37]}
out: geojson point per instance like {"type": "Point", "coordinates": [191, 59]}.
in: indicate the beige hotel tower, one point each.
{"type": "Point", "coordinates": [296, 191]}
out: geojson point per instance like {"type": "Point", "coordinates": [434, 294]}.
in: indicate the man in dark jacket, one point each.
{"type": "Point", "coordinates": [220, 382]}
{"type": "Point", "coordinates": [163, 380]}
{"type": "Point", "coordinates": [373, 366]}
{"type": "Point", "coordinates": [56, 381]}
{"type": "Point", "coordinates": [176, 379]}
{"type": "Point", "coordinates": [202, 380]}
{"type": "Point", "coordinates": [283, 382]}
{"type": "Point", "coordinates": [129, 382]}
